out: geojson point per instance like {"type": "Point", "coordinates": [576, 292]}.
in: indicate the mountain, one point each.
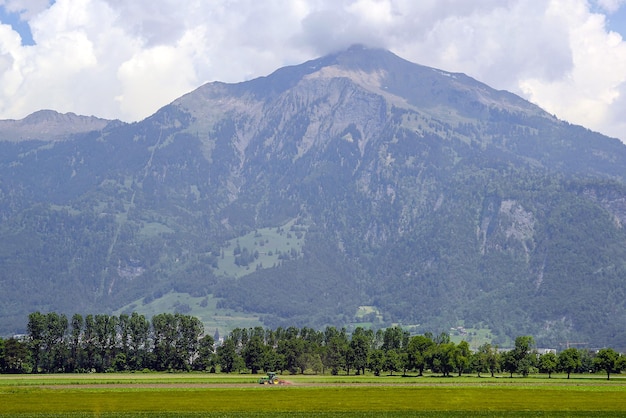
{"type": "Point", "coordinates": [48, 125]}
{"type": "Point", "coordinates": [353, 189]}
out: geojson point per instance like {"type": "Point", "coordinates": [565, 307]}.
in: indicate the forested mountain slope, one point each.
{"type": "Point", "coordinates": [357, 187]}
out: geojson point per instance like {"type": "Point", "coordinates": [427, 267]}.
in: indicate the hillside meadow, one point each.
{"type": "Point", "coordinates": [192, 395]}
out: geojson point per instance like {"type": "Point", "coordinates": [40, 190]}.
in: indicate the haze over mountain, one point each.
{"type": "Point", "coordinates": [357, 188]}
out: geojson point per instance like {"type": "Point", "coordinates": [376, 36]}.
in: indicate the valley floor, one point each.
{"type": "Point", "coordinates": [172, 394]}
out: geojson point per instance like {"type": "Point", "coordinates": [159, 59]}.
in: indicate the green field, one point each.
{"type": "Point", "coordinates": [124, 395]}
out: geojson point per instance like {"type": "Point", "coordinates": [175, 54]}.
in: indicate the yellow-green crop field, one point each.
{"type": "Point", "coordinates": [205, 395]}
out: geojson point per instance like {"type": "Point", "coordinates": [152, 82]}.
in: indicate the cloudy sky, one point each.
{"type": "Point", "coordinates": [125, 59]}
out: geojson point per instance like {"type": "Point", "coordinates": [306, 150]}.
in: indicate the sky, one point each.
{"type": "Point", "coordinates": [121, 59]}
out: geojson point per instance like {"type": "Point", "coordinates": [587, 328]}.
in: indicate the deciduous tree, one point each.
{"type": "Point", "coordinates": [608, 360]}
{"type": "Point", "coordinates": [485, 359]}
{"type": "Point", "coordinates": [461, 357]}
{"type": "Point", "coordinates": [548, 363]}
{"type": "Point", "coordinates": [206, 354]}
{"type": "Point", "coordinates": [418, 350]}
{"type": "Point", "coordinates": [253, 354]}
{"type": "Point", "coordinates": [227, 356]}
{"type": "Point", "coordinates": [376, 361]}
{"type": "Point", "coordinates": [360, 345]}
{"type": "Point", "coordinates": [392, 361]}
{"type": "Point", "coordinates": [14, 356]}
{"type": "Point", "coordinates": [569, 360]}
{"type": "Point", "coordinates": [524, 355]}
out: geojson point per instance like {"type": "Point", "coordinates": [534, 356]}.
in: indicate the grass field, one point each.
{"type": "Point", "coordinates": [194, 395]}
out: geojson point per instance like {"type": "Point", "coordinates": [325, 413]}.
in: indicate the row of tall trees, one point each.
{"type": "Point", "coordinates": [107, 343]}
{"type": "Point", "coordinates": [103, 343]}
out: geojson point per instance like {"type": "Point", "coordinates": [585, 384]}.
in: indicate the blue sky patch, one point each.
{"type": "Point", "coordinates": [617, 22]}
{"type": "Point", "coordinates": [18, 25]}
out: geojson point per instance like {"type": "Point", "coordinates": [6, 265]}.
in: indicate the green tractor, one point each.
{"type": "Point", "coordinates": [271, 379]}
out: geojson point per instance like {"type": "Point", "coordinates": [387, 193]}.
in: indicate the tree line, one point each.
{"type": "Point", "coordinates": [177, 342]}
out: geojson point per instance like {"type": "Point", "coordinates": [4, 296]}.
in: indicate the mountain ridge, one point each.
{"type": "Point", "coordinates": [50, 125]}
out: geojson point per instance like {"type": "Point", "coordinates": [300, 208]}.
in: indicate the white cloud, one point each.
{"type": "Point", "coordinates": [611, 6]}
{"type": "Point", "coordinates": [497, 45]}
{"type": "Point", "coordinates": [125, 59]}
{"type": "Point", "coordinates": [587, 92]}
{"type": "Point", "coordinates": [26, 8]}
{"type": "Point", "coordinates": [159, 73]}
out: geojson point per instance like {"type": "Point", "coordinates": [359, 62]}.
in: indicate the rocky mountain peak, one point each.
{"type": "Point", "coordinates": [49, 125]}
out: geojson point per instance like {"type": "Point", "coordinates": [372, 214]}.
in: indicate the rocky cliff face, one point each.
{"type": "Point", "coordinates": [355, 180]}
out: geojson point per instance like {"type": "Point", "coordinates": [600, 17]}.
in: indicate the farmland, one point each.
{"type": "Point", "coordinates": [201, 394]}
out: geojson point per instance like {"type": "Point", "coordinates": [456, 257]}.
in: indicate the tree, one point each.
{"type": "Point", "coordinates": [206, 354]}
{"type": "Point", "coordinates": [394, 338]}
{"type": "Point", "coordinates": [77, 326]}
{"type": "Point", "coordinates": [55, 343]}
{"type": "Point", "coordinates": [3, 361]}
{"type": "Point", "coordinates": [123, 330]}
{"type": "Point", "coordinates": [418, 349]}
{"type": "Point", "coordinates": [165, 332]}
{"type": "Point", "coordinates": [253, 354]}
{"type": "Point", "coordinates": [14, 356]}
{"type": "Point", "coordinates": [189, 331]}
{"type": "Point", "coordinates": [524, 356]}
{"type": "Point", "coordinates": [239, 365]}
{"type": "Point", "coordinates": [290, 349]}
{"type": "Point", "coordinates": [508, 362]}
{"type": "Point", "coordinates": [36, 328]}
{"type": "Point", "coordinates": [89, 342]}
{"type": "Point", "coordinates": [376, 361]}
{"type": "Point", "coordinates": [404, 361]}
{"type": "Point", "coordinates": [227, 356]}
{"type": "Point", "coordinates": [272, 360]}
{"type": "Point", "coordinates": [442, 358]}
{"type": "Point", "coordinates": [621, 363]}
{"type": "Point", "coordinates": [486, 359]}
{"type": "Point", "coordinates": [608, 360]}
{"type": "Point", "coordinates": [479, 362]}
{"type": "Point", "coordinates": [493, 357]}
{"type": "Point", "coordinates": [105, 336]}
{"type": "Point", "coordinates": [548, 363]}
{"type": "Point", "coordinates": [139, 329]}
{"type": "Point", "coordinates": [392, 361]}
{"type": "Point", "coordinates": [360, 346]}
{"type": "Point", "coordinates": [461, 357]}
{"type": "Point", "coordinates": [310, 360]}
{"type": "Point", "coordinates": [586, 361]}
{"type": "Point", "coordinates": [119, 362]}
{"type": "Point", "coordinates": [335, 354]}
{"type": "Point", "coordinates": [569, 360]}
